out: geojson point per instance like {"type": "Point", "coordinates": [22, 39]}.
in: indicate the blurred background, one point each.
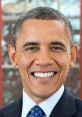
{"type": "Point", "coordinates": [11, 10]}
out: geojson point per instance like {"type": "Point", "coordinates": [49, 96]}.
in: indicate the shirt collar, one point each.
{"type": "Point", "coordinates": [28, 103]}
{"type": "Point", "coordinates": [46, 105]}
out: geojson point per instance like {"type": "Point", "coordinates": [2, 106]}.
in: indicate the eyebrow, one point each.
{"type": "Point", "coordinates": [57, 43]}
{"type": "Point", "coordinates": [51, 43]}
{"type": "Point", "coordinates": [30, 44]}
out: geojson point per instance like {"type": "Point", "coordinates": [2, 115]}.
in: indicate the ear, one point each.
{"type": "Point", "coordinates": [74, 51]}
{"type": "Point", "coordinates": [12, 55]}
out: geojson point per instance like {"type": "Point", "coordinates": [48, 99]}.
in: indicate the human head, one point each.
{"type": "Point", "coordinates": [44, 13]}
{"type": "Point", "coordinates": [42, 51]}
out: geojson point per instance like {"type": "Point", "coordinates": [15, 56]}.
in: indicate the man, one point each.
{"type": "Point", "coordinates": [43, 50]}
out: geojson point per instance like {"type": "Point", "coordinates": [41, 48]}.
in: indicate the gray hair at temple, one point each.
{"type": "Point", "coordinates": [44, 13]}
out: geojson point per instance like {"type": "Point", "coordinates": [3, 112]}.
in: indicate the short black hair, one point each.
{"type": "Point", "coordinates": [44, 13]}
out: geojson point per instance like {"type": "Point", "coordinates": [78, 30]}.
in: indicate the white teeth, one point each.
{"type": "Point", "coordinates": [44, 75]}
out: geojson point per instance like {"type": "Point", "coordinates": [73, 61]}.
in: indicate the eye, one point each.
{"type": "Point", "coordinates": [57, 49]}
{"type": "Point", "coordinates": [31, 49]}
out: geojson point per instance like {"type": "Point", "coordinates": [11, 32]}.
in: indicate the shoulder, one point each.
{"type": "Point", "coordinates": [11, 109]}
{"type": "Point", "coordinates": [78, 105]}
{"type": "Point", "coordinates": [72, 105]}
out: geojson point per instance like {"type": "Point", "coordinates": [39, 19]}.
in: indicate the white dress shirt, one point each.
{"type": "Point", "coordinates": [47, 105]}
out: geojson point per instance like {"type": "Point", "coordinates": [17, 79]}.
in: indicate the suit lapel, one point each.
{"type": "Point", "coordinates": [66, 106]}
{"type": "Point", "coordinates": [14, 110]}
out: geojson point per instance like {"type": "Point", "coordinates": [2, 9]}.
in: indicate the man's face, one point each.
{"type": "Point", "coordinates": [43, 56]}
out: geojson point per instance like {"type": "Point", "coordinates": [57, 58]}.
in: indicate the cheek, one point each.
{"type": "Point", "coordinates": [24, 62]}
{"type": "Point", "coordinates": [64, 61]}
{"type": "Point", "coordinates": [64, 66]}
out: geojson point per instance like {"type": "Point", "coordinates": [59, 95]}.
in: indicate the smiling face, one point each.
{"type": "Point", "coordinates": [43, 56]}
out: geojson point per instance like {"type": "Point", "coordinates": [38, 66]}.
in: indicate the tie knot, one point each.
{"type": "Point", "coordinates": [36, 111]}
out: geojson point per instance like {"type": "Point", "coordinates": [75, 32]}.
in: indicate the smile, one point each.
{"type": "Point", "coordinates": [43, 74]}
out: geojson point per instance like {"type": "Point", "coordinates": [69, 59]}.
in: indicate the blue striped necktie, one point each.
{"type": "Point", "coordinates": [36, 111]}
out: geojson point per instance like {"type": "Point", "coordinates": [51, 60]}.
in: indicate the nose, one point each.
{"type": "Point", "coordinates": [44, 58]}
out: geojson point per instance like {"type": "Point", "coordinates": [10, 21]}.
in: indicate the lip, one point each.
{"type": "Point", "coordinates": [32, 73]}
{"type": "Point", "coordinates": [44, 79]}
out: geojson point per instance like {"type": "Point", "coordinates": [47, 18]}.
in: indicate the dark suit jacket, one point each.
{"type": "Point", "coordinates": [67, 106]}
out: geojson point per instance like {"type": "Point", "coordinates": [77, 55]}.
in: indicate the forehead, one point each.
{"type": "Point", "coordinates": [42, 30]}
{"type": "Point", "coordinates": [42, 24]}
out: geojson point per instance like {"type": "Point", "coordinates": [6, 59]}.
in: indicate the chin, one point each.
{"type": "Point", "coordinates": [44, 94]}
